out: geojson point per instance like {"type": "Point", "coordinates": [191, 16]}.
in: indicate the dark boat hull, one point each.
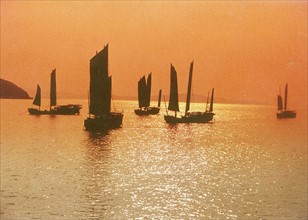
{"type": "Point", "coordinates": [147, 111]}
{"type": "Point", "coordinates": [57, 110]}
{"type": "Point", "coordinates": [194, 117]}
{"type": "Point", "coordinates": [286, 114]}
{"type": "Point", "coordinates": [114, 120]}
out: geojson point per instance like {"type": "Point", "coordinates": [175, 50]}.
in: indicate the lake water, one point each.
{"type": "Point", "coordinates": [244, 165]}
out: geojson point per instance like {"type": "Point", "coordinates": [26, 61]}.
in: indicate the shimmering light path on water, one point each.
{"type": "Point", "coordinates": [246, 164]}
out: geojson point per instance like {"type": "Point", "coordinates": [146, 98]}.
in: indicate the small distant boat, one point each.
{"type": "Point", "coordinates": [100, 115]}
{"type": "Point", "coordinates": [189, 117]}
{"type": "Point", "coordinates": [70, 109]}
{"type": "Point", "coordinates": [144, 96]}
{"type": "Point", "coordinates": [282, 111]}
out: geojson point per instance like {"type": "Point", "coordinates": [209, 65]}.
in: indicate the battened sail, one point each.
{"type": "Point", "coordinates": [159, 98]}
{"type": "Point", "coordinates": [100, 84]}
{"type": "Point", "coordinates": [189, 87]}
{"type": "Point", "coordinates": [212, 101]}
{"type": "Point", "coordinates": [142, 92]}
{"type": "Point", "coordinates": [53, 89]}
{"type": "Point", "coordinates": [174, 98]}
{"type": "Point", "coordinates": [37, 99]}
{"type": "Point", "coordinates": [285, 97]}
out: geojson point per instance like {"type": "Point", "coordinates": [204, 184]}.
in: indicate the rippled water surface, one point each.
{"type": "Point", "coordinates": [245, 165]}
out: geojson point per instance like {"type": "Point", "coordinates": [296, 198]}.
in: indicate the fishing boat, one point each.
{"type": "Point", "coordinates": [189, 117]}
{"type": "Point", "coordinates": [54, 109]}
{"type": "Point", "coordinates": [144, 97]}
{"type": "Point", "coordinates": [282, 110]}
{"type": "Point", "coordinates": [100, 115]}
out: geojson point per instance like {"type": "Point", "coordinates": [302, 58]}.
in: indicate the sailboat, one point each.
{"type": "Point", "coordinates": [189, 117]}
{"type": "Point", "coordinates": [144, 96]}
{"type": "Point", "coordinates": [282, 111]}
{"type": "Point", "coordinates": [100, 115]}
{"type": "Point", "coordinates": [54, 109]}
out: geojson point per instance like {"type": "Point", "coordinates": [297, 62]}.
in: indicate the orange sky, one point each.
{"type": "Point", "coordinates": [244, 49]}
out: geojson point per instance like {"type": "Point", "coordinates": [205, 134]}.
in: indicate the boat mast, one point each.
{"type": "Point", "coordinates": [189, 88]}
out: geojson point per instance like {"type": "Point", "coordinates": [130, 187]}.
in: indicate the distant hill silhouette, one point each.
{"type": "Point", "coordinates": [9, 90]}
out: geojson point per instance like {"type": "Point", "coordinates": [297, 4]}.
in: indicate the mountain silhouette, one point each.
{"type": "Point", "coordinates": [9, 90]}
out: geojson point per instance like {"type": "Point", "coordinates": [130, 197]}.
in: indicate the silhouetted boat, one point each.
{"type": "Point", "coordinates": [144, 97]}
{"type": "Point", "coordinates": [189, 117]}
{"type": "Point", "coordinates": [100, 116]}
{"type": "Point", "coordinates": [282, 111]}
{"type": "Point", "coordinates": [54, 109]}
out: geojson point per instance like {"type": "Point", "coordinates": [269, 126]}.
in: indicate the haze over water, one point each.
{"type": "Point", "coordinates": [245, 165]}
{"type": "Point", "coordinates": [244, 49]}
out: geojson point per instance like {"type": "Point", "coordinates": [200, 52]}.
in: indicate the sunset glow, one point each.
{"type": "Point", "coordinates": [244, 49]}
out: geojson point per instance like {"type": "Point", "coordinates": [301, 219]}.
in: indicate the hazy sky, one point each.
{"type": "Point", "coordinates": [244, 49]}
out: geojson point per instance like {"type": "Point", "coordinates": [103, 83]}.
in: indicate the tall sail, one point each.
{"type": "Point", "coordinates": [142, 92]}
{"type": "Point", "coordinates": [286, 97]}
{"type": "Point", "coordinates": [37, 99]}
{"type": "Point", "coordinates": [100, 84]}
{"type": "Point", "coordinates": [148, 90]}
{"type": "Point", "coordinates": [159, 98]}
{"type": "Point", "coordinates": [212, 101]}
{"type": "Point", "coordinates": [53, 89]}
{"type": "Point", "coordinates": [174, 98]}
{"type": "Point", "coordinates": [279, 101]}
{"type": "Point", "coordinates": [189, 88]}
